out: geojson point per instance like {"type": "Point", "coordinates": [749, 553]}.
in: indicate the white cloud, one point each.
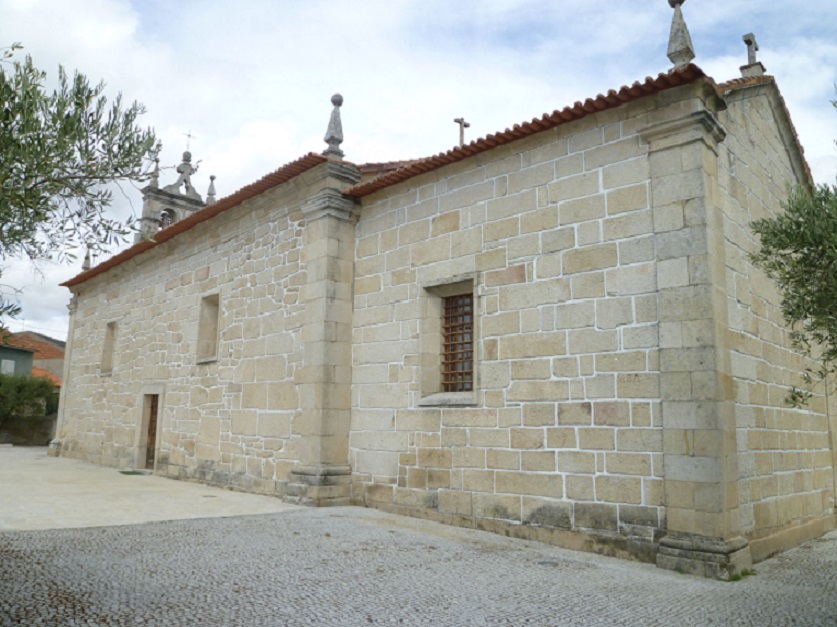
{"type": "Point", "coordinates": [252, 81]}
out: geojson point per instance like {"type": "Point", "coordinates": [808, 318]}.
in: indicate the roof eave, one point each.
{"type": "Point", "coordinates": [280, 176]}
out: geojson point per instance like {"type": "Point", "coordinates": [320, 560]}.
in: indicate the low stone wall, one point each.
{"type": "Point", "coordinates": [29, 432]}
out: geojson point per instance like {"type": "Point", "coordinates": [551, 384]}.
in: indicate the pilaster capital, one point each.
{"type": "Point", "coordinates": [328, 202]}
{"type": "Point", "coordinates": [343, 171]}
{"type": "Point", "coordinates": [696, 126]}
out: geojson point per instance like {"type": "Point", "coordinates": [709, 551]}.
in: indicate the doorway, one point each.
{"type": "Point", "coordinates": [152, 402]}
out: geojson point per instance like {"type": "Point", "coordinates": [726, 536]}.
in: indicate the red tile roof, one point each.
{"type": "Point", "coordinates": [40, 337]}
{"type": "Point", "coordinates": [282, 175]}
{"type": "Point", "coordinates": [46, 374]}
{"type": "Point", "coordinates": [43, 350]}
{"type": "Point", "coordinates": [393, 172]}
{"type": "Point", "coordinates": [579, 110]}
{"type": "Point", "coordinates": [749, 81]}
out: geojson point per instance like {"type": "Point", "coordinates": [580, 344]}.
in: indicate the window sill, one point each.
{"type": "Point", "coordinates": [207, 360]}
{"type": "Point", "coordinates": [449, 399]}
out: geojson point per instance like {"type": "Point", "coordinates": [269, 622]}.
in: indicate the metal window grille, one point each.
{"type": "Point", "coordinates": [458, 344]}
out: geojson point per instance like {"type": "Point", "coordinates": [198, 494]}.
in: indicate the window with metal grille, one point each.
{"type": "Point", "coordinates": [458, 344]}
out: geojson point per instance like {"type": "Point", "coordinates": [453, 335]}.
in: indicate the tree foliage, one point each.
{"type": "Point", "coordinates": [23, 398]}
{"type": "Point", "coordinates": [58, 152]}
{"type": "Point", "coordinates": [799, 252]}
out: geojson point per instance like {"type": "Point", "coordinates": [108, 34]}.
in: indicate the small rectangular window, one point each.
{"type": "Point", "coordinates": [208, 328]}
{"type": "Point", "coordinates": [108, 348]}
{"type": "Point", "coordinates": [449, 343]}
{"type": "Point", "coordinates": [7, 366]}
{"type": "Point", "coordinates": [458, 344]}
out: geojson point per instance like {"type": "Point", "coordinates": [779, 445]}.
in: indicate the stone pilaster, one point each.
{"type": "Point", "coordinates": [323, 475]}
{"type": "Point", "coordinates": [55, 445]}
{"type": "Point", "coordinates": [699, 429]}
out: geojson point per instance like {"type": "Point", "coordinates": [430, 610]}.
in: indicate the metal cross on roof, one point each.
{"type": "Point", "coordinates": [189, 137]}
{"type": "Point", "coordinates": [462, 126]}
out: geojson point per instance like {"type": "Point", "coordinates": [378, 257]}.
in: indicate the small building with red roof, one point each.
{"type": "Point", "coordinates": [48, 353]}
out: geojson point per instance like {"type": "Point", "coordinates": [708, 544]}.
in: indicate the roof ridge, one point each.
{"type": "Point", "coordinates": [386, 165]}
{"type": "Point", "coordinates": [745, 81]}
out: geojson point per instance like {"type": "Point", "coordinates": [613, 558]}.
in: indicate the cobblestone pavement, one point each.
{"type": "Point", "coordinates": [353, 566]}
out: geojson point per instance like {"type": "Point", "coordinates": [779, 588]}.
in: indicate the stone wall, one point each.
{"type": "Point", "coordinates": [555, 233]}
{"type": "Point", "coordinates": [785, 455]}
{"type": "Point", "coordinates": [230, 420]}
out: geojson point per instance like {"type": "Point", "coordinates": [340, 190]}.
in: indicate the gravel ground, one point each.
{"type": "Point", "coordinates": [353, 566]}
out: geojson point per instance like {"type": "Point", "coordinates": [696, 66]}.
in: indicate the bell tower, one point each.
{"type": "Point", "coordinates": [162, 207]}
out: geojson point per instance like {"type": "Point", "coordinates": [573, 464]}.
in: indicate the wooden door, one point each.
{"type": "Point", "coordinates": [151, 442]}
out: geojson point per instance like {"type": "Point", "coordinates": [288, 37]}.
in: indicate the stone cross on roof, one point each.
{"type": "Point", "coordinates": [752, 47]}
{"type": "Point", "coordinates": [334, 134]}
{"type": "Point", "coordinates": [462, 126]}
{"type": "Point", "coordinates": [680, 49]}
{"type": "Point", "coordinates": [754, 67]}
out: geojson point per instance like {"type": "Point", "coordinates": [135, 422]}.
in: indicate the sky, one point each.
{"type": "Point", "coordinates": [251, 80]}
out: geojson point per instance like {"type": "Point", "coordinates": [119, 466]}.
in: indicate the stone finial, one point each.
{"type": "Point", "coordinates": [680, 49]}
{"type": "Point", "coordinates": [210, 193]}
{"type": "Point", "coordinates": [754, 67]}
{"type": "Point", "coordinates": [87, 263]}
{"type": "Point", "coordinates": [334, 134]}
{"type": "Point", "coordinates": [462, 126]}
{"type": "Point", "coordinates": [155, 175]}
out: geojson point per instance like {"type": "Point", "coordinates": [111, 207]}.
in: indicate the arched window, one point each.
{"type": "Point", "coordinates": [167, 218]}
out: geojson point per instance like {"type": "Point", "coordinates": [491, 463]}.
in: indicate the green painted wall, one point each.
{"type": "Point", "coordinates": [21, 358]}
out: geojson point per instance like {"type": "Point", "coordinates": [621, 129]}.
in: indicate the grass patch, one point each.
{"type": "Point", "coordinates": [747, 572]}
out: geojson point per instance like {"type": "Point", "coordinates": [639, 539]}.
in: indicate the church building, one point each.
{"type": "Point", "coordinates": [553, 332]}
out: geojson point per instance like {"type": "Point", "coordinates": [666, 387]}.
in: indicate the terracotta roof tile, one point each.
{"type": "Point", "coordinates": [738, 83]}
{"type": "Point", "coordinates": [46, 374]}
{"type": "Point", "coordinates": [578, 111]}
{"type": "Point", "coordinates": [393, 172]}
{"type": "Point", "coordinates": [282, 175]}
{"type": "Point", "coordinates": [43, 350]}
{"type": "Point", "coordinates": [40, 337]}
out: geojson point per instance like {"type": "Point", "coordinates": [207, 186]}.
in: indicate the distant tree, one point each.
{"type": "Point", "coordinates": [25, 398]}
{"type": "Point", "coordinates": [58, 152]}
